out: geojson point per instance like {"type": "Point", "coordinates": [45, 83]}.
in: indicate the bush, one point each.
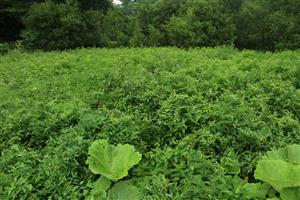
{"type": "Point", "coordinates": [4, 48]}
{"type": "Point", "coordinates": [52, 26]}
{"type": "Point", "coordinates": [154, 36]}
{"type": "Point", "coordinates": [285, 30]}
{"type": "Point", "coordinates": [297, 80]}
{"type": "Point", "coordinates": [203, 24]}
{"type": "Point", "coordinates": [268, 25]}
{"type": "Point", "coordinates": [114, 25]}
{"type": "Point", "coordinates": [136, 36]}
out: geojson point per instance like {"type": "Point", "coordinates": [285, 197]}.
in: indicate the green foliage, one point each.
{"type": "Point", "coordinates": [121, 30]}
{"type": "Point", "coordinates": [281, 169]}
{"type": "Point", "coordinates": [100, 187]}
{"type": "Point", "coordinates": [115, 29]}
{"type": "Point", "coordinates": [110, 161]}
{"type": "Point", "coordinates": [297, 78]}
{"type": "Point", "coordinates": [267, 25]}
{"type": "Point", "coordinates": [201, 118]}
{"type": "Point", "coordinates": [52, 26]}
{"type": "Point", "coordinates": [136, 36]}
{"type": "Point", "coordinates": [185, 173]}
{"type": "Point", "coordinates": [4, 48]}
{"type": "Point", "coordinates": [253, 28]}
{"type": "Point", "coordinates": [11, 13]}
{"type": "Point", "coordinates": [123, 191]}
{"type": "Point", "coordinates": [154, 36]}
{"type": "Point", "coordinates": [60, 24]}
{"type": "Point", "coordinates": [113, 163]}
{"type": "Point", "coordinates": [102, 5]}
{"type": "Point", "coordinates": [202, 24]}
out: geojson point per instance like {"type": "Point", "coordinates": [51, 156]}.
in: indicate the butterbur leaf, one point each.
{"type": "Point", "coordinates": [280, 168]}
{"type": "Point", "coordinates": [255, 191]}
{"type": "Point", "coordinates": [250, 191]}
{"type": "Point", "coordinates": [289, 154]}
{"type": "Point", "coordinates": [124, 191]}
{"type": "Point", "coordinates": [111, 161]}
{"type": "Point", "coordinates": [277, 173]}
{"type": "Point", "coordinates": [293, 154]}
{"type": "Point", "coordinates": [290, 193]}
{"type": "Point", "coordinates": [101, 186]}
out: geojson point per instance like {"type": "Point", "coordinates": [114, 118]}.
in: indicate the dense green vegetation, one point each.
{"type": "Point", "coordinates": [200, 118]}
{"type": "Point", "coordinates": [66, 24]}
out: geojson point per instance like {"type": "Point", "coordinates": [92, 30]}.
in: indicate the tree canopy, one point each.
{"type": "Point", "coordinates": [253, 24]}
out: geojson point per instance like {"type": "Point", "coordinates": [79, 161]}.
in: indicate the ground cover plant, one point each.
{"type": "Point", "coordinates": [202, 119]}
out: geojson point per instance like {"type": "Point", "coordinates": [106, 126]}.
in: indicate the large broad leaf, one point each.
{"type": "Point", "coordinates": [111, 161]}
{"type": "Point", "coordinates": [280, 168]}
{"type": "Point", "coordinates": [124, 191]}
{"type": "Point", "coordinates": [255, 191]}
{"type": "Point", "coordinates": [101, 186]}
{"type": "Point", "coordinates": [290, 154]}
{"type": "Point", "coordinates": [279, 174]}
{"type": "Point", "coordinates": [290, 194]}
{"type": "Point", "coordinates": [247, 191]}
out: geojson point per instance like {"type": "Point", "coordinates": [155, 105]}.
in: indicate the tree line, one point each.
{"type": "Point", "coordinates": [65, 24]}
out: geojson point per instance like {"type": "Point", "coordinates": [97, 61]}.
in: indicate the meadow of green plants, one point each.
{"type": "Point", "coordinates": [200, 118]}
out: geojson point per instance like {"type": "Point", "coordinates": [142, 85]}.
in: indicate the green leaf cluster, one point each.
{"type": "Point", "coordinates": [281, 169]}
{"type": "Point", "coordinates": [113, 163]}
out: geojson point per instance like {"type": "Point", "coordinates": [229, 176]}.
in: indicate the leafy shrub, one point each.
{"type": "Point", "coordinates": [203, 24]}
{"type": "Point", "coordinates": [154, 36]}
{"type": "Point", "coordinates": [267, 25]}
{"type": "Point", "coordinates": [121, 30]}
{"type": "Point", "coordinates": [297, 78]}
{"type": "Point", "coordinates": [4, 48]}
{"type": "Point", "coordinates": [115, 29]}
{"type": "Point", "coordinates": [183, 172]}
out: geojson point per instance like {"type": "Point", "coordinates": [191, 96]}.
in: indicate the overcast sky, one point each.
{"type": "Point", "coordinates": [116, 1]}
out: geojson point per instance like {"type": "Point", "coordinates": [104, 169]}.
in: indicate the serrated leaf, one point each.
{"type": "Point", "coordinates": [111, 161]}
{"type": "Point", "coordinates": [280, 168]}
{"type": "Point", "coordinates": [291, 154]}
{"type": "Point", "coordinates": [124, 191]}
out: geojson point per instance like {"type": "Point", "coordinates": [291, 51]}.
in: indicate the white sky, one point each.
{"type": "Point", "coordinates": [116, 1]}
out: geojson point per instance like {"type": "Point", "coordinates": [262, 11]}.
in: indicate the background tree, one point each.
{"type": "Point", "coordinates": [52, 26]}
{"type": "Point", "coordinates": [252, 24]}
{"type": "Point", "coordinates": [202, 24]}
{"type": "Point", "coordinates": [11, 13]}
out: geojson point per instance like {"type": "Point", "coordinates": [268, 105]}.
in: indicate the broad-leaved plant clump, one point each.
{"type": "Point", "coordinates": [281, 169]}
{"type": "Point", "coordinates": [113, 163]}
